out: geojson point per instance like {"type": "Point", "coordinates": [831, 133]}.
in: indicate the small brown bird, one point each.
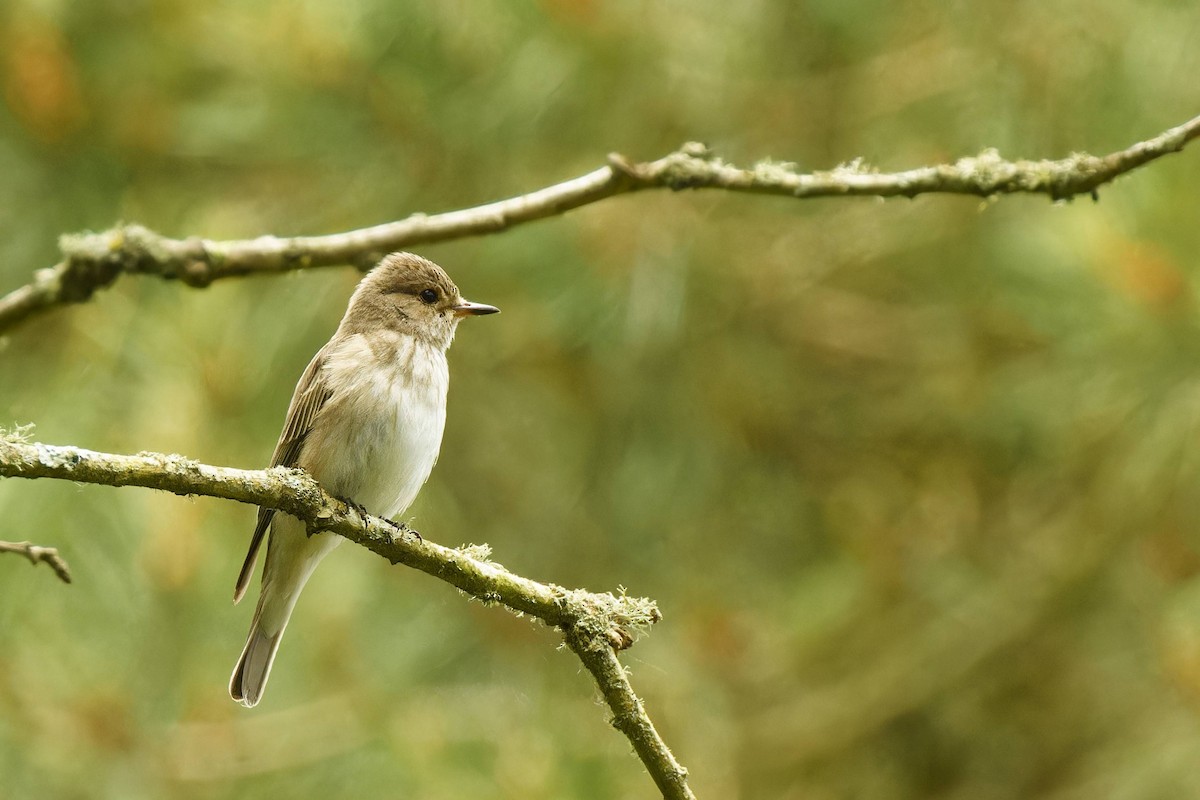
{"type": "Point", "coordinates": [366, 422]}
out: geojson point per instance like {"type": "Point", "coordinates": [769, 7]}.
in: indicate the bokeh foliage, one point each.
{"type": "Point", "coordinates": [914, 482]}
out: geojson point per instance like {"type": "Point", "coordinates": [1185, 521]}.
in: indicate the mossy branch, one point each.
{"type": "Point", "coordinates": [93, 261]}
{"type": "Point", "coordinates": [594, 625]}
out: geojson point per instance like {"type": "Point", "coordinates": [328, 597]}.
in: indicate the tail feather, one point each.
{"type": "Point", "coordinates": [291, 557]}
{"type": "Point", "coordinates": [254, 666]}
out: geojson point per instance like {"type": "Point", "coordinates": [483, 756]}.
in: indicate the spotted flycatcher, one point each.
{"type": "Point", "coordinates": [366, 422]}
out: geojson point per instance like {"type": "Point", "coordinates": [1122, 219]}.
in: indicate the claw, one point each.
{"type": "Point", "coordinates": [401, 528]}
{"type": "Point", "coordinates": [358, 507]}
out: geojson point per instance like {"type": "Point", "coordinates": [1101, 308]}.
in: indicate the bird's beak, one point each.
{"type": "Point", "coordinates": [468, 309]}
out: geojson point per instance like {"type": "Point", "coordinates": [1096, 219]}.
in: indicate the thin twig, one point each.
{"type": "Point", "coordinates": [594, 625]}
{"type": "Point", "coordinates": [629, 716]}
{"type": "Point", "coordinates": [94, 260]}
{"type": "Point", "coordinates": [37, 554]}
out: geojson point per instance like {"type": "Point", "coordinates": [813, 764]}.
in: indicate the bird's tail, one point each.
{"type": "Point", "coordinates": [254, 665]}
{"type": "Point", "coordinates": [291, 558]}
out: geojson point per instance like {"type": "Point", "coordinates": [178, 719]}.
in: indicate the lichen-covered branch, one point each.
{"type": "Point", "coordinates": [40, 555]}
{"type": "Point", "coordinates": [94, 260]}
{"type": "Point", "coordinates": [595, 625]}
{"type": "Point", "coordinates": [630, 717]}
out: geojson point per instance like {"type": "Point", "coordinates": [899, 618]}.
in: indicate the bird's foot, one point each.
{"type": "Point", "coordinates": [401, 528]}
{"type": "Point", "coordinates": [359, 508]}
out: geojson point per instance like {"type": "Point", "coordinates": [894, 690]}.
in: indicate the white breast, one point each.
{"type": "Point", "coordinates": [377, 437]}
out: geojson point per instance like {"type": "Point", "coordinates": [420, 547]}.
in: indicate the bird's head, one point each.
{"type": "Point", "coordinates": [410, 294]}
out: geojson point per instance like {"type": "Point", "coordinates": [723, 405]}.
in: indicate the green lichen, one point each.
{"type": "Point", "coordinates": [18, 434]}
{"type": "Point", "coordinates": [477, 552]}
{"type": "Point", "coordinates": [770, 171]}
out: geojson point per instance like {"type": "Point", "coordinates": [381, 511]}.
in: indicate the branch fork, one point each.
{"type": "Point", "coordinates": [594, 625]}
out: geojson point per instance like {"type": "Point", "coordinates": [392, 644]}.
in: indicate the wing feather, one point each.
{"type": "Point", "coordinates": [312, 392]}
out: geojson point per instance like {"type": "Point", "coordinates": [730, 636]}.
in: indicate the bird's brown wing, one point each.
{"type": "Point", "coordinates": [310, 397]}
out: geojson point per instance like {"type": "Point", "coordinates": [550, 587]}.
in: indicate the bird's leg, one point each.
{"type": "Point", "coordinates": [402, 528]}
{"type": "Point", "coordinates": [358, 507]}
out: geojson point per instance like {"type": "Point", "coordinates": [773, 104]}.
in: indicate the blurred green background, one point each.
{"type": "Point", "coordinates": [914, 482]}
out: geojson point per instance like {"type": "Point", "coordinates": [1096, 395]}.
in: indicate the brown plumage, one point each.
{"type": "Point", "coordinates": [366, 422]}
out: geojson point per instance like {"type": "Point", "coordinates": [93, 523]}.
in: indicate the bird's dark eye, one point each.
{"type": "Point", "coordinates": [428, 296]}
